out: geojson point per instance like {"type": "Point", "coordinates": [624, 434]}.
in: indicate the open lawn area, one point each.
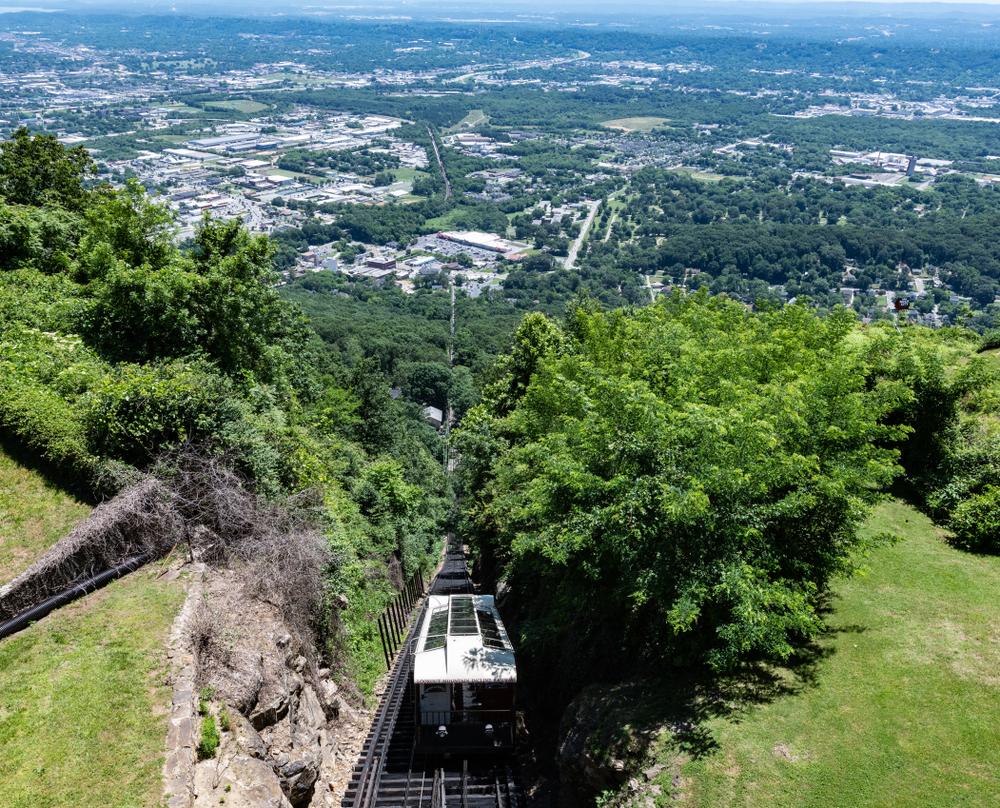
{"type": "Point", "coordinates": [240, 105]}
{"type": "Point", "coordinates": [476, 116]}
{"type": "Point", "coordinates": [899, 704]}
{"type": "Point", "coordinates": [446, 222]}
{"type": "Point", "coordinates": [34, 515]}
{"type": "Point", "coordinates": [83, 707]}
{"type": "Point", "coordinates": [172, 139]}
{"type": "Point", "coordinates": [636, 124]}
{"type": "Point", "coordinates": [408, 174]}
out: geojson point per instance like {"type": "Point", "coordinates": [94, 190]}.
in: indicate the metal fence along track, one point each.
{"type": "Point", "coordinates": [388, 774]}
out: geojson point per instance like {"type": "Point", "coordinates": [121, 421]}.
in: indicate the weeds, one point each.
{"type": "Point", "coordinates": [225, 721]}
{"type": "Point", "coordinates": [209, 743]}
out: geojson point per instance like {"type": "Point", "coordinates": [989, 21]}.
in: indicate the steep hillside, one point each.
{"type": "Point", "coordinates": [34, 514]}
{"type": "Point", "coordinates": [83, 701]}
{"type": "Point", "coordinates": [895, 705]}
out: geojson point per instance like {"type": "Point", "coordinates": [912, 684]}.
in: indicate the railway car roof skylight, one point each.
{"type": "Point", "coordinates": [463, 640]}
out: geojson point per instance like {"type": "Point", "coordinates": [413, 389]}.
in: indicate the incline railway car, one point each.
{"type": "Point", "coordinates": [464, 677]}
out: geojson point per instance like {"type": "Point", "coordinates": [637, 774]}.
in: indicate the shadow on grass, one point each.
{"type": "Point", "coordinates": [53, 476]}
{"type": "Point", "coordinates": [631, 719]}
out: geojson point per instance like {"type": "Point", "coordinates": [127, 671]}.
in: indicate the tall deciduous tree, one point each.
{"type": "Point", "coordinates": [37, 170]}
{"type": "Point", "coordinates": [687, 478]}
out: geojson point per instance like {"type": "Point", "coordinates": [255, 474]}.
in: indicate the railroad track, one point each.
{"type": "Point", "coordinates": [389, 775]}
{"type": "Point", "coordinates": [437, 154]}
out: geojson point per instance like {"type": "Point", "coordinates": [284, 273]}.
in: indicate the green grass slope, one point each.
{"type": "Point", "coordinates": [904, 705]}
{"type": "Point", "coordinates": [34, 515]}
{"type": "Point", "coordinates": [83, 707]}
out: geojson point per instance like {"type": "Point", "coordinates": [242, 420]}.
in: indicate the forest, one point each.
{"type": "Point", "coordinates": [693, 503]}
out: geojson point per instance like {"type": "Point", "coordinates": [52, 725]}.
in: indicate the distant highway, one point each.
{"type": "Point", "coordinates": [583, 234]}
{"type": "Point", "coordinates": [447, 185]}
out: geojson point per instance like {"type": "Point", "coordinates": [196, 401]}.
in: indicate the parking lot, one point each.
{"type": "Point", "coordinates": [453, 249]}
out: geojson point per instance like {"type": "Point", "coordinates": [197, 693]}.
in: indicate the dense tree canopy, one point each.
{"type": "Point", "coordinates": [687, 478]}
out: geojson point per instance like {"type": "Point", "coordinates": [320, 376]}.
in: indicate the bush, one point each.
{"type": "Point", "coordinates": [990, 340]}
{"type": "Point", "coordinates": [41, 376]}
{"type": "Point", "coordinates": [137, 412]}
{"type": "Point", "coordinates": [225, 720]}
{"type": "Point", "coordinates": [976, 522]}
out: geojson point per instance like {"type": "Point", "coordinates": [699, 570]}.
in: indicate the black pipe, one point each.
{"type": "Point", "coordinates": [26, 618]}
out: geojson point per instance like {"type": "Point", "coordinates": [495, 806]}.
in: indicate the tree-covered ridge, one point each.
{"type": "Point", "coordinates": [683, 482]}
{"type": "Point", "coordinates": [118, 350]}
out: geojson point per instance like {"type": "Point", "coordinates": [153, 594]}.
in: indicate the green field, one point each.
{"type": "Point", "coordinates": [34, 515]}
{"type": "Point", "coordinates": [172, 138]}
{"type": "Point", "coordinates": [636, 124]}
{"type": "Point", "coordinates": [474, 117]}
{"type": "Point", "coordinates": [83, 707]}
{"type": "Point", "coordinates": [82, 702]}
{"type": "Point", "coordinates": [408, 174]}
{"type": "Point", "coordinates": [898, 706]}
{"type": "Point", "coordinates": [447, 221]}
{"type": "Point", "coordinates": [240, 105]}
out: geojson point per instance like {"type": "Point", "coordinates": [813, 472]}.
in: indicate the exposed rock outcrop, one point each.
{"type": "Point", "coordinates": [291, 740]}
{"type": "Point", "coordinates": [603, 742]}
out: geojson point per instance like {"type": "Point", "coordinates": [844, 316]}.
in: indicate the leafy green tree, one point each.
{"type": "Point", "coordinates": [428, 383]}
{"type": "Point", "coordinates": [38, 170]}
{"type": "Point", "coordinates": [219, 301]}
{"type": "Point", "coordinates": [41, 238]}
{"type": "Point", "coordinates": [126, 226]}
{"type": "Point", "coordinates": [378, 426]}
{"type": "Point", "coordinates": [682, 481]}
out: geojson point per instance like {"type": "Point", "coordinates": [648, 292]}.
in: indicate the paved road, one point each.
{"type": "Point", "coordinates": [571, 258]}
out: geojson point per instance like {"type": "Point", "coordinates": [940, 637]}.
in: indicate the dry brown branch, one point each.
{"type": "Point", "coordinates": [279, 554]}
{"type": "Point", "coordinates": [140, 520]}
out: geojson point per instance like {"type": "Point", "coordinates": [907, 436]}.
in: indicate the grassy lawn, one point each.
{"type": "Point", "coordinates": [903, 704]}
{"type": "Point", "coordinates": [240, 105]}
{"type": "Point", "coordinates": [83, 710]}
{"type": "Point", "coordinates": [474, 117]}
{"type": "Point", "coordinates": [408, 174]}
{"type": "Point", "coordinates": [172, 138]}
{"type": "Point", "coordinates": [445, 222]}
{"type": "Point", "coordinates": [34, 515]}
{"type": "Point", "coordinates": [636, 124]}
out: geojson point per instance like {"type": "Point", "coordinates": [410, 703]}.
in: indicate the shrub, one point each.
{"type": "Point", "coordinates": [209, 743]}
{"type": "Point", "coordinates": [990, 340]}
{"type": "Point", "coordinates": [225, 720]}
{"type": "Point", "coordinates": [976, 521]}
{"type": "Point", "coordinates": [139, 411]}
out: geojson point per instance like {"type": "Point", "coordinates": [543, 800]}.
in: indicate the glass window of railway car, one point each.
{"type": "Point", "coordinates": [437, 630]}
{"type": "Point", "coordinates": [463, 616]}
{"type": "Point", "coordinates": [492, 638]}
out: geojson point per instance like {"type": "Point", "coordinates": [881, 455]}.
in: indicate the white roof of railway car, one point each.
{"type": "Point", "coordinates": [463, 657]}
